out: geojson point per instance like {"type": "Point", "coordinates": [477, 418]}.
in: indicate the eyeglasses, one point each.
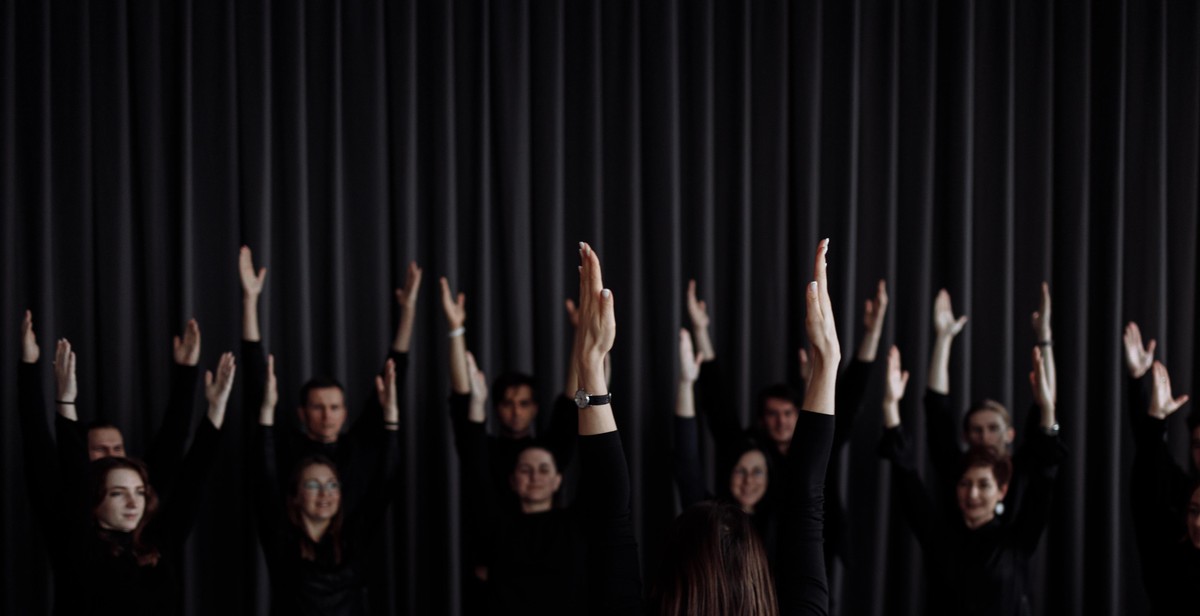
{"type": "Point", "coordinates": [312, 485]}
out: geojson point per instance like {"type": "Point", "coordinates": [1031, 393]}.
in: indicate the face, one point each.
{"type": "Point", "coordinates": [324, 413]}
{"type": "Point", "coordinates": [978, 495]}
{"type": "Point", "coordinates": [748, 481]}
{"type": "Point", "coordinates": [988, 429]}
{"type": "Point", "coordinates": [319, 492]}
{"type": "Point", "coordinates": [105, 442]}
{"type": "Point", "coordinates": [124, 500]}
{"type": "Point", "coordinates": [1193, 519]}
{"type": "Point", "coordinates": [516, 410]}
{"type": "Point", "coordinates": [535, 478]}
{"type": "Point", "coordinates": [779, 418]}
{"type": "Point", "coordinates": [1196, 448]}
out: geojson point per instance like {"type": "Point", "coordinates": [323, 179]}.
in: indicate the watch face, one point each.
{"type": "Point", "coordinates": [581, 398]}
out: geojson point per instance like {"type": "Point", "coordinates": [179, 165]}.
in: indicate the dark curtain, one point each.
{"type": "Point", "coordinates": [978, 146]}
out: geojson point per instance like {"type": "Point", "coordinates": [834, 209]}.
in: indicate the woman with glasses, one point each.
{"type": "Point", "coordinates": [314, 546]}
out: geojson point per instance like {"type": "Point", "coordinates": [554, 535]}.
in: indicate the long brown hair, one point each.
{"type": "Point", "coordinates": [715, 565]}
{"type": "Point", "coordinates": [308, 549]}
{"type": "Point", "coordinates": [144, 553]}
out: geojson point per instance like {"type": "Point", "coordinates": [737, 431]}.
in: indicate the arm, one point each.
{"type": "Point", "coordinates": [385, 476]}
{"type": "Point", "coordinates": [852, 384]}
{"type": "Point", "coordinates": [715, 400]}
{"type": "Point", "coordinates": [1138, 361]}
{"type": "Point", "coordinates": [37, 446]}
{"type": "Point", "coordinates": [1045, 454]}
{"type": "Point", "coordinates": [252, 288]}
{"type": "Point", "coordinates": [456, 317]}
{"type": "Point", "coordinates": [407, 299]}
{"type": "Point", "coordinates": [801, 580]}
{"type": "Point", "coordinates": [946, 327]}
{"type": "Point", "coordinates": [687, 446]}
{"type": "Point", "coordinates": [166, 451]}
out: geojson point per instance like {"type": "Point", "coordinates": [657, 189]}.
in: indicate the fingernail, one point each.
{"type": "Point", "coordinates": [812, 286]}
{"type": "Point", "coordinates": [606, 293]}
{"type": "Point", "coordinates": [581, 245]}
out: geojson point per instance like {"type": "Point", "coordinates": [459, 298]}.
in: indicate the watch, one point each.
{"type": "Point", "coordinates": [1051, 431]}
{"type": "Point", "coordinates": [584, 400]}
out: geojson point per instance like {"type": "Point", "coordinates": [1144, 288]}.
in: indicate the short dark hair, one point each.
{"type": "Point", "coordinates": [318, 382]}
{"type": "Point", "coordinates": [535, 444]}
{"type": "Point", "coordinates": [512, 379]}
{"type": "Point", "coordinates": [986, 457]}
{"type": "Point", "coordinates": [987, 405]}
{"type": "Point", "coordinates": [782, 391]}
{"type": "Point", "coordinates": [101, 424]}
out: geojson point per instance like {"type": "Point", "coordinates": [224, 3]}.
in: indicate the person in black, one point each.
{"type": "Point", "coordinates": [776, 413]}
{"type": "Point", "coordinates": [115, 545]}
{"type": "Point", "coordinates": [1165, 498]}
{"type": "Point", "coordinates": [977, 561]}
{"type": "Point", "coordinates": [314, 541]}
{"type": "Point", "coordinates": [736, 577]}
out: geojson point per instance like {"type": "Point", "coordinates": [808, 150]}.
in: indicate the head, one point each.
{"type": "Point", "coordinates": [104, 440]}
{"type": "Point", "coordinates": [322, 409]}
{"type": "Point", "coordinates": [123, 501]}
{"type": "Point", "coordinates": [983, 484]}
{"type": "Point", "coordinates": [1193, 424]}
{"type": "Point", "coordinates": [988, 424]}
{"type": "Point", "coordinates": [748, 478]}
{"type": "Point", "coordinates": [535, 479]}
{"type": "Point", "coordinates": [777, 411]}
{"type": "Point", "coordinates": [516, 406]}
{"type": "Point", "coordinates": [315, 500]}
{"type": "Point", "coordinates": [714, 564]}
{"type": "Point", "coordinates": [1193, 516]}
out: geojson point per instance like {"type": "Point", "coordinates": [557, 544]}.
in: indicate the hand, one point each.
{"type": "Point", "coordinates": [454, 307]}
{"type": "Point", "coordinates": [407, 297]}
{"type": "Point", "coordinates": [1161, 402]}
{"type": "Point", "coordinates": [689, 359]}
{"type": "Point", "coordinates": [874, 310]}
{"type": "Point", "coordinates": [64, 372]}
{"type": "Point", "coordinates": [944, 323]}
{"type": "Point", "coordinates": [252, 284]}
{"type": "Point", "coordinates": [1137, 359]}
{"type": "Point", "coordinates": [479, 385]}
{"type": "Point", "coordinates": [572, 312]}
{"type": "Point", "coordinates": [1044, 391]}
{"type": "Point", "coordinates": [216, 389]}
{"type": "Point", "coordinates": [697, 309]}
{"type": "Point", "coordinates": [1041, 317]}
{"type": "Point", "coordinates": [805, 367]}
{"type": "Point", "coordinates": [29, 346]}
{"type": "Point", "coordinates": [822, 335]}
{"type": "Point", "coordinates": [187, 350]}
{"type": "Point", "coordinates": [597, 322]}
{"type": "Point", "coordinates": [271, 387]}
{"type": "Point", "coordinates": [897, 379]}
{"type": "Point", "coordinates": [385, 389]}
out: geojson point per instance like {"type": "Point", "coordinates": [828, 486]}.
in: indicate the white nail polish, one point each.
{"type": "Point", "coordinates": [606, 293]}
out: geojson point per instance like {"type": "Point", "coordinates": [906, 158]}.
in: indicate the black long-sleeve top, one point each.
{"type": "Point", "coordinates": [1160, 491]}
{"type": "Point", "coordinates": [535, 561]}
{"type": "Point", "coordinates": [984, 571]}
{"type": "Point", "coordinates": [95, 570]}
{"type": "Point", "coordinates": [325, 586]}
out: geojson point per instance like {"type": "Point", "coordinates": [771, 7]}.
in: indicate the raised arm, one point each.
{"type": "Point", "coordinates": [166, 450]}
{"type": "Point", "coordinates": [698, 312]}
{"type": "Point", "coordinates": [713, 395]}
{"type": "Point", "coordinates": [687, 447]}
{"type": "Point", "coordinates": [37, 446]}
{"type": "Point", "coordinates": [855, 378]}
{"type": "Point", "coordinates": [252, 288]}
{"type": "Point", "coordinates": [65, 380]}
{"type": "Point", "coordinates": [456, 317]}
{"type": "Point", "coordinates": [946, 327]}
{"type": "Point", "coordinates": [407, 299]}
{"type": "Point", "coordinates": [801, 580]}
{"type": "Point", "coordinates": [874, 315]}
{"type": "Point", "coordinates": [1047, 453]}
{"type": "Point", "coordinates": [897, 382]}
{"type": "Point", "coordinates": [1045, 338]}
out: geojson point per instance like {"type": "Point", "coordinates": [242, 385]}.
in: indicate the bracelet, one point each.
{"type": "Point", "coordinates": [391, 423]}
{"type": "Point", "coordinates": [1045, 343]}
{"type": "Point", "coordinates": [72, 402]}
{"type": "Point", "coordinates": [458, 331]}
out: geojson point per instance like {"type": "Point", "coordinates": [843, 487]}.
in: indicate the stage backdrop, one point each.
{"type": "Point", "coordinates": [978, 146]}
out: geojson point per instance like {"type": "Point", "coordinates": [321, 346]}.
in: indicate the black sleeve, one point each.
{"type": "Point", "coordinates": [614, 575]}
{"type": "Point", "coordinates": [178, 513]}
{"type": "Point", "coordinates": [72, 457]}
{"type": "Point", "coordinates": [1045, 453]}
{"type": "Point", "coordinates": [850, 398]}
{"type": "Point", "coordinates": [914, 499]}
{"type": "Point", "coordinates": [252, 372]}
{"type": "Point", "coordinates": [37, 446]}
{"type": "Point", "coordinates": [714, 400]}
{"type": "Point", "coordinates": [381, 490]}
{"type": "Point", "coordinates": [941, 437]}
{"type": "Point", "coordinates": [166, 451]}
{"type": "Point", "coordinates": [800, 579]}
{"type": "Point", "coordinates": [365, 431]}
{"type": "Point", "coordinates": [687, 462]}
{"type": "Point", "coordinates": [479, 496]}
{"type": "Point", "coordinates": [268, 498]}
{"type": "Point", "coordinates": [563, 431]}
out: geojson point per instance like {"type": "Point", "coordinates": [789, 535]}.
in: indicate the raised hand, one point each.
{"type": "Point", "coordinates": [874, 313]}
{"type": "Point", "coordinates": [266, 413]}
{"type": "Point", "coordinates": [187, 349]}
{"type": "Point", "coordinates": [593, 340]}
{"type": "Point", "coordinates": [477, 412]}
{"type": "Point", "coordinates": [689, 359]}
{"type": "Point", "coordinates": [1041, 317]}
{"type": "Point", "coordinates": [698, 312]}
{"type": "Point", "coordinates": [64, 372]}
{"type": "Point", "coordinates": [217, 388]}
{"type": "Point", "coordinates": [1161, 402]}
{"type": "Point", "coordinates": [385, 389]}
{"type": "Point", "coordinates": [1045, 393]}
{"type": "Point", "coordinates": [822, 336]}
{"type": "Point", "coordinates": [944, 322]}
{"type": "Point", "coordinates": [453, 306]}
{"type": "Point", "coordinates": [1138, 359]}
{"type": "Point", "coordinates": [407, 299]}
{"type": "Point", "coordinates": [897, 382]}
{"type": "Point", "coordinates": [252, 283]}
{"type": "Point", "coordinates": [29, 347]}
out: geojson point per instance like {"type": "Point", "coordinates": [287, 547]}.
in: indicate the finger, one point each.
{"type": "Point", "coordinates": [71, 364]}
{"type": "Point", "coordinates": [379, 388]}
{"type": "Point", "coordinates": [1180, 401]}
{"type": "Point", "coordinates": [570, 304]}
{"type": "Point", "coordinates": [461, 301]}
{"type": "Point", "coordinates": [820, 273]}
{"type": "Point", "coordinates": [813, 303]}
{"type": "Point", "coordinates": [881, 294]}
{"type": "Point", "coordinates": [691, 291]}
{"type": "Point", "coordinates": [803, 355]}
{"type": "Point", "coordinates": [593, 277]}
{"type": "Point", "coordinates": [904, 379]}
{"type": "Point", "coordinates": [208, 378]}
{"type": "Point", "coordinates": [960, 323]}
{"type": "Point", "coordinates": [1150, 347]}
{"type": "Point", "coordinates": [471, 365]}
{"type": "Point", "coordinates": [176, 342]}
{"type": "Point", "coordinates": [271, 365]}
{"type": "Point", "coordinates": [445, 284]}
{"type": "Point", "coordinates": [262, 275]}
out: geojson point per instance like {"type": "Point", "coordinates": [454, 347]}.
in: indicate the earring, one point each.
{"type": "Point", "coordinates": [1000, 508]}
